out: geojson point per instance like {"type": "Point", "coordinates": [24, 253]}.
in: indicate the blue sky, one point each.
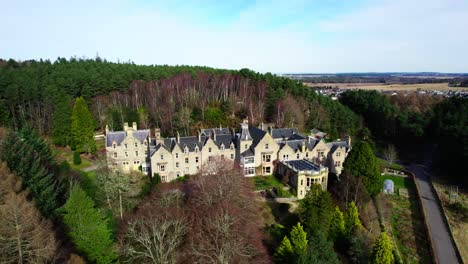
{"type": "Point", "coordinates": [276, 36]}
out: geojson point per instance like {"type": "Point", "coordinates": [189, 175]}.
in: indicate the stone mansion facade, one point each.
{"type": "Point", "coordinates": [257, 150]}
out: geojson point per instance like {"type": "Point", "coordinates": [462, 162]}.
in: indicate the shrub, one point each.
{"type": "Point", "coordinates": [76, 158]}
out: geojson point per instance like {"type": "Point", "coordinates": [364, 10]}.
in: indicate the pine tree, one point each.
{"type": "Point", "coordinates": [316, 210]}
{"type": "Point", "coordinates": [337, 225]}
{"type": "Point", "coordinates": [361, 162]}
{"type": "Point", "coordinates": [382, 253]}
{"type": "Point", "coordinates": [61, 120]}
{"type": "Point", "coordinates": [88, 227]}
{"type": "Point", "coordinates": [82, 127]}
{"type": "Point", "coordinates": [320, 251]}
{"type": "Point", "coordinates": [284, 251]}
{"type": "Point", "coordinates": [298, 239]}
{"type": "Point", "coordinates": [352, 219]}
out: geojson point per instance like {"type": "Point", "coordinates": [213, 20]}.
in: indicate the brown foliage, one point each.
{"type": "Point", "coordinates": [415, 102]}
{"type": "Point", "coordinates": [210, 218]}
{"type": "Point", "coordinates": [163, 98]}
{"type": "Point", "coordinates": [25, 236]}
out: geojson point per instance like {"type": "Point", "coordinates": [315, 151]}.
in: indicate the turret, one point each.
{"type": "Point", "coordinates": [245, 140]}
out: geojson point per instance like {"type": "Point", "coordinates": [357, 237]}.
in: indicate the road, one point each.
{"type": "Point", "coordinates": [444, 247]}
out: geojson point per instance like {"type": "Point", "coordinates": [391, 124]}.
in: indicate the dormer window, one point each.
{"type": "Point", "coordinates": [231, 147]}
{"type": "Point", "coordinates": [297, 156]}
{"type": "Point", "coordinates": [177, 155]}
{"type": "Point", "coordinates": [186, 150]}
{"type": "Point", "coordinates": [338, 153]}
{"type": "Point", "coordinates": [136, 145]}
{"type": "Point", "coordinates": [162, 157]}
{"type": "Point", "coordinates": [196, 149]}
{"type": "Point", "coordinates": [209, 149]}
{"type": "Point", "coordinates": [266, 146]}
{"type": "Point", "coordinates": [246, 146]}
{"type": "Point", "coordinates": [113, 145]}
{"type": "Point", "coordinates": [222, 147]}
{"type": "Point", "coordinates": [115, 155]}
{"type": "Point", "coordinates": [126, 145]}
{"type": "Point", "coordinates": [126, 154]}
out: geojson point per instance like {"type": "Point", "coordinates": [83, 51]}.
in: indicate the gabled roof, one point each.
{"type": "Point", "coordinates": [191, 142]}
{"type": "Point", "coordinates": [283, 133]}
{"type": "Point", "coordinates": [337, 144]}
{"type": "Point", "coordinates": [297, 144]}
{"type": "Point", "coordinates": [248, 153]}
{"type": "Point", "coordinates": [119, 136]}
{"type": "Point", "coordinates": [257, 135]}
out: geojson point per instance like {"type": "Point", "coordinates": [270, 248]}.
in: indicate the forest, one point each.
{"type": "Point", "coordinates": [414, 121]}
{"type": "Point", "coordinates": [174, 98]}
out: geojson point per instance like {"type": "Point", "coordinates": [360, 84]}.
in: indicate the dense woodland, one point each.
{"type": "Point", "coordinates": [418, 121]}
{"type": "Point", "coordinates": [175, 98]}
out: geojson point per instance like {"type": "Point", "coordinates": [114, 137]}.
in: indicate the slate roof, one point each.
{"type": "Point", "coordinates": [283, 133]}
{"type": "Point", "coordinates": [297, 144]}
{"type": "Point", "coordinates": [248, 153]}
{"type": "Point", "coordinates": [119, 136]}
{"type": "Point", "coordinates": [336, 144]}
{"type": "Point", "coordinates": [218, 131]}
{"type": "Point", "coordinates": [192, 142]}
{"type": "Point", "coordinates": [257, 135]}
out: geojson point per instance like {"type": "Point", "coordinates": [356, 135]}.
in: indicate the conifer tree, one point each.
{"type": "Point", "coordinates": [284, 251]}
{"type": "Point", "coordinates": [88, 227]}
{"type": "Point", "coordinates": [361, 162]}
{"type": "Point", "coordinates": [61, 120]}
{"type": "Point", "coordinates": [352, 219]}
{"type": "Point", "coordinates": [320, 251]}
{"type": "Point", "coordinates": [337, 225]}
{"type": "Point", "coordinates": [82, 127]}
{"type": "Point", "coordinates": [298, 239]}
{"type": "Point", "coordinates": [382, 253]}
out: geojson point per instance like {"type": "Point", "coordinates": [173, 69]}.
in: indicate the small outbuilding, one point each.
{"type": "Point", "coordinates": [388, 186]}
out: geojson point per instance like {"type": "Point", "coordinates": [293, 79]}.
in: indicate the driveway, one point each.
{"type": "Point", "coordinates": [444, 247]}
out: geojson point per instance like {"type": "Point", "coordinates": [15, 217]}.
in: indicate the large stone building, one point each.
{"type": "Point", "coordinates": [257, 150]}
{"type": "Point", "coordinates": [127, 150]}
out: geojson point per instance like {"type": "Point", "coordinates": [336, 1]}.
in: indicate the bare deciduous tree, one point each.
{"type": "Point", "coordinates": [390, 154]}
{"type": "Point", "coordinates": [25, 237]}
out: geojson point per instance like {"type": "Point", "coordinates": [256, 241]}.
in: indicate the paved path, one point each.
{"type": "Point", "coordinates": [445, 249]}
{"type": "Point", "coordinates": [90, 168]}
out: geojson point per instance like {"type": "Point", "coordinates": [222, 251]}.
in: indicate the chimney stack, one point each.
{"type": "Point", "coordinates": [134, 126]}
{"type": "Point", "coordinates": [178, 137]}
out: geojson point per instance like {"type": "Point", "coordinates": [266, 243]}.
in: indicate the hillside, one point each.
{"type": "Point", "coordinates": [175, 98]}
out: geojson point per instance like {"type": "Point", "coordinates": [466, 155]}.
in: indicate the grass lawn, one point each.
{"type": "Point", "coordinates": [266, 182]}
{"type": "Point", "coordinates": [386, 164]}
{"type": "Point", "coordinates": [400, 182]}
